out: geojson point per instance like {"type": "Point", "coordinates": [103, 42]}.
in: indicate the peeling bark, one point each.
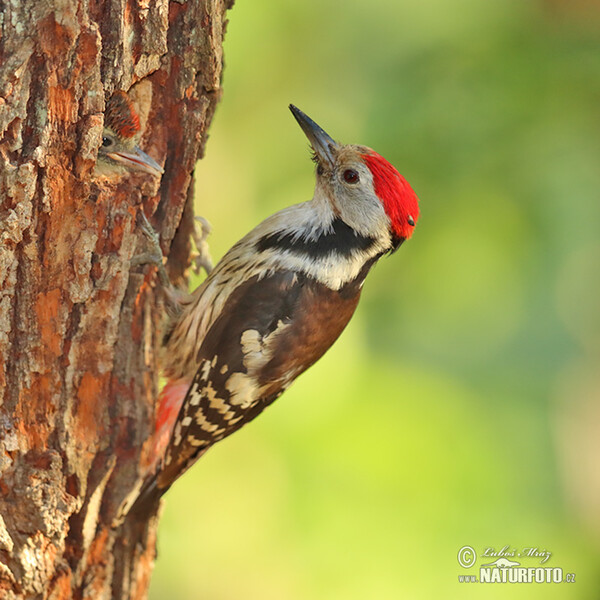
{"type": "Point", "coordinates": [78, 330]}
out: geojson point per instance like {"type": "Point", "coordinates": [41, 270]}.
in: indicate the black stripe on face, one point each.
{"type": "Point", "coordinates": [341, 239]}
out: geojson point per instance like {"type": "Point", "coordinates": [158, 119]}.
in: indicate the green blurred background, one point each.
{"type": "Point", "coordinates": [461, 405]}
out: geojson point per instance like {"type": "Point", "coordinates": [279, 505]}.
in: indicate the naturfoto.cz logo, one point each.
{"type": "Point", "coordinates": [503, 568]}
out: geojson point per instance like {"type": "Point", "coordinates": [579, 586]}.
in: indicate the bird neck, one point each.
{"type": "Point", "coordinates": [312, 239]}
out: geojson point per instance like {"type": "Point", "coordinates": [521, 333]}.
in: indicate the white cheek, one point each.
{"type": "Point", "coordinates": [361, 209]}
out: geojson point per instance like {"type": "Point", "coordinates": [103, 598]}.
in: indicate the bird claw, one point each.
{"type": "Point", "coordinates": [154, 256]}
{"type": "Point", "coordinates": [201, 259]}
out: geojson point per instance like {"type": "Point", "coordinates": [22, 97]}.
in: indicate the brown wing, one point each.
{"type": "Point", "coordinates": [271, 330]}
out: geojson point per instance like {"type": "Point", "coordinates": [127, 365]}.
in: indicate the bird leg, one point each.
{"type": "Point", "coordinates": [154, 256]}
{"type": "Point", "coordinates": [202, 259]}
{"type": "Point", "coordinates": [175, 299]}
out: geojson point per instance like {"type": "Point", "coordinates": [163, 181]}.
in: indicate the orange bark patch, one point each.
{"type": "Point", "coordinates": [90, 394]}
{"type": "Point", "coordinates": [62, 189]}
{"type": "Point", "coordinates": [98, 548]}
{"type": "Point", "coordinates": [116, 234]}
{"type": "Point", "coordinates": [98, 564]}
{"type": "Point", "coordinates": [55, 39]}
{"type": "Point", "coordinates": [88, 49]}
{"type": "Point", "coordinates": [35, 410]}
{"type": "Point", "coordinates": [61, 105]}
{"type": "Point", "coordinates": [47, 309]}
{"type": "Point", "coordinates": [61, 587]}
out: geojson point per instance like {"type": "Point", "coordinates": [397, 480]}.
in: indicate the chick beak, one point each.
{"type": "Point", "coordinates": [137, 160]}
{"type": "Point", "coordinates": [321, 142]}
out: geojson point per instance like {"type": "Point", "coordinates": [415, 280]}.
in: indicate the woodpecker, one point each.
{"type": "Point", "coordinates": [119, 152]}
{"type": "Point", "coordinates": [276, 302]}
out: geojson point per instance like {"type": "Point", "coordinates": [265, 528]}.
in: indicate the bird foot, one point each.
{"type": "Point", "coordinates": [154, 256]}
{"type": "Point", "coordinates": [202, 258]}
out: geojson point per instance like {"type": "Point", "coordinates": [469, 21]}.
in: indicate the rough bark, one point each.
{"type": "Point", "coordinates": [78, 372]}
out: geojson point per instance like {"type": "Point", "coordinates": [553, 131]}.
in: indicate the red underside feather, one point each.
{"type": "Point", "coordinates": [170, 401]}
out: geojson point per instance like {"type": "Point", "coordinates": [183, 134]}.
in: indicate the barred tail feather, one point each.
{"type": "Point", "coordinates": [169, 404]}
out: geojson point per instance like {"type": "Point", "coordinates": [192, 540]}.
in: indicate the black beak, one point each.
{"type": "Point", "coordinates": [322, 143]}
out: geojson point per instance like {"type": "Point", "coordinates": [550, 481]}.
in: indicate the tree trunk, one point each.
{"type": "Point", "coordinates": [78, 330]}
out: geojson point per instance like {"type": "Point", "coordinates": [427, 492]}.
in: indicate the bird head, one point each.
{"type": "Point", "coordinates": [362, 187]}
{"type": "Point", "coordinates": [119, 151]}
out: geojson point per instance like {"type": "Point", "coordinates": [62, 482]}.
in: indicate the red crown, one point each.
{"type": "Point", "coordinates": [399, 199]}
{"type": "Point", "coordinates": [120, 115]}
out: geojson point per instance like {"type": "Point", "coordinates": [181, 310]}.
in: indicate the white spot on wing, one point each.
{"type": "Point", "coordinates": [258, 350]}
{"type": "Point", "coordinates": [205, 369]}
{"type": "Point", "coordinates": [177, 434]}
{"type": "Point", "coordinates": [242, 388]}
{"type": "Point", "coordinates": [195, 397]}
{"type": "Point", "coordinates": [251, 342]}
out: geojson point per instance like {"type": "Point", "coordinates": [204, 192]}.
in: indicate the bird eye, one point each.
{"type": "Point", "coordinates": [351, 176]}
{"type": "Point", "coordinates": [106, 141]}
{"type": "Point", "coordinates": [411, 221]}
